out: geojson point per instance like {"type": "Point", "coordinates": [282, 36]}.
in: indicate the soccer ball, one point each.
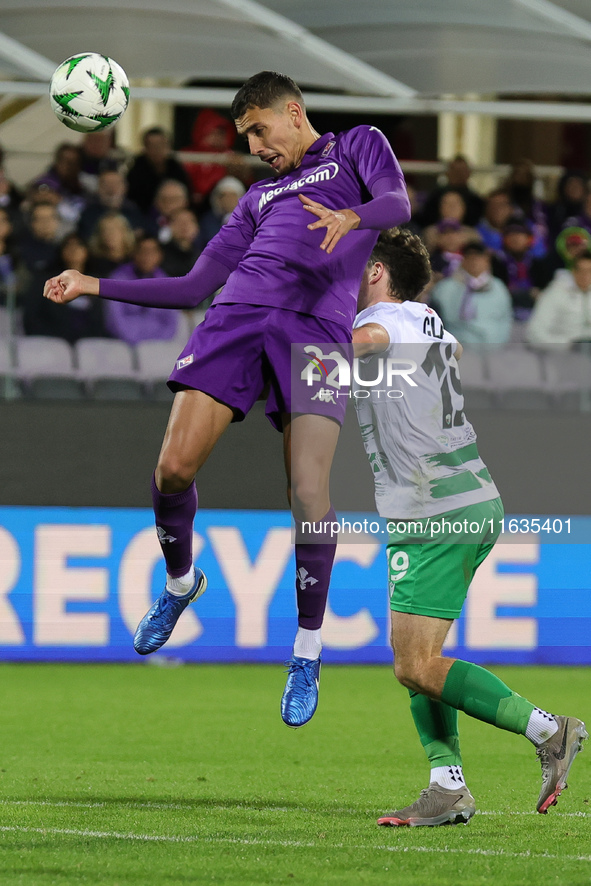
{"type": "Point", "coordinates": [89, 92]}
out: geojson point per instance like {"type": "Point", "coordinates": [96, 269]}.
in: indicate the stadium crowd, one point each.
{"type": "Point", "coordinates": [507, 266]}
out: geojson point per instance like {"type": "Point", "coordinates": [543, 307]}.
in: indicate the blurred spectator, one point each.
{"type": "Point", "coordinates": [224, 200]}
{"type": "Point", "coordinates": [9, 263]}
{"type": "Point", "coordinates": [170, 197]}
{"type": "Point", "coordinates": [451, 207]}
{"type": "Point", "coordinates": [184, 247]}
{"type": "Point", "coordinates": [110, 197]}
{"type": "Point", "coordinates": [134, 323]}
{"type": "Point", "coordinates": [518, 268]}
{"type": "Point", "coordinates": [152, 167]}
{"type": "Point", "coordinates": [212, 133]}
{"type": "Point", "coordinates": [111, 245]}
{"type": "Point", "coordinates": [562, 314]}
{"type": "Point", "coordinates": [414, 224]}
{"type": "Point", "coordinates": [474, 305]}
{"type": "Point", "coordinates": [64, 177]}
{"type": "Point", "coordinates": [81, 318]}
{"type": "Point", "coordinates": [521, 185]}
{"type": "Point", "coordinates": [570, 243]}
{"type": "Point", "coordinates": [497, 212]}
{"type": "Point", "coordinates": [572, 190]}
{"type": "Point", "coordinates": [98, 154]}
{"type": "Point", "coordinates": [39, 243]}
{"type": "Point", "coordinates": [458, 174]}
{"type": "Point", "coordinates": [10, 196]}
{"type": "Point", "coordinates": [447, 255]}
{"type": "Point", "coordinates": [583, 220]}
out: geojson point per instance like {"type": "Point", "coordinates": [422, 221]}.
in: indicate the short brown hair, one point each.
{"type": "Point", "coordinates": [582, 256]}
{"type": "Point", "coordinates": [406, 259]}
{"type": "Point", "coordinates": [263, 90]}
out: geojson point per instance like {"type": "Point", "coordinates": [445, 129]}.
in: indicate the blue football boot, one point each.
{"type": "Point", "coordinates": [158, 623]}
{"type": "Point", "coordinates": [300, 696]}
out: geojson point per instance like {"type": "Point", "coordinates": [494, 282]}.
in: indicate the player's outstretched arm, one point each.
{"type": "Point", "coordinates": [205, 278]}
{"type": "Point", "coordinates": [69, 285]}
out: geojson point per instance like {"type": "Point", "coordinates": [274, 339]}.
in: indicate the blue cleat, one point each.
{"type": "Point", "coordinates": [158, 623]}
{"type": "Point", "coordinates": [300, 696]}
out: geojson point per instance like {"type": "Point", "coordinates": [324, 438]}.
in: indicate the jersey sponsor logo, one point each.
{"type": "Point", "coordinates": [328, 148]}
{"type": "Point", "coordinates": [184, 361]}
{"type": "Point", "coordinates": [322, 173]}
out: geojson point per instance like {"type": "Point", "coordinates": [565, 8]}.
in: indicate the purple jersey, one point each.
{"type": "Point", "coordinates": [275, 260]}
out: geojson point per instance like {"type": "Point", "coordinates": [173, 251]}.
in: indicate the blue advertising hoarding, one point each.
{"type": "Point", "coordinates": [74, 582]}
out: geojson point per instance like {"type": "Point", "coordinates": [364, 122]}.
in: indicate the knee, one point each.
{"type": "Point", "coordinates": [408, 673]}
{"type": "Point", "coordinates": [305, 495]}
{"type": "Point", "coordinates": [173, 475]}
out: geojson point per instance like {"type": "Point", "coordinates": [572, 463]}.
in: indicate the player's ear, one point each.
{"type": "Point", "coordinates": [296, 113]}
{"type": "Point", "coordinates": [377, 271]}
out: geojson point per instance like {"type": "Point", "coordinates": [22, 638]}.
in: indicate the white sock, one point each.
{"type": "Point", "coordinates": [448, 777]}
{"type": "Point", "coordinates": [307, 644]}
{"type": "Point", "coordinates": [181, 585]}
{"type": "Point", "coordinates": [540, 727]}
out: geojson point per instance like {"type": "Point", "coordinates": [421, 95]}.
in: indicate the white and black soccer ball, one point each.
{"type": "Point", "coordinates": [89, 92]}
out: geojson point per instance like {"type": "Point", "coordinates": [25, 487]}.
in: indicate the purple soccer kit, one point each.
{"type": "Point", "coordinates": [280, 288]}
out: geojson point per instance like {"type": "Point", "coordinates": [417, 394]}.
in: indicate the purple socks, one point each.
{"type": "Point", "coordinates": [314, 558]}
{"type": "Point", "coordinates": [314, 550]}
{"type": "Point", "coordinates": [174, 524]}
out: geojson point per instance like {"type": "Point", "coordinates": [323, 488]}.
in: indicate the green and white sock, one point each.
{"type": "Point", "coordinates": [482, 695]}
{"type": "Point", "coordinates": [437, 725]}
{"type": "Point", "coordinates": [541, 726]}
{"type": "Point", "coordinates": [447, 777]}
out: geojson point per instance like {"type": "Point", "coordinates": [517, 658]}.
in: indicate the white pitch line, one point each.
{"type": "Point", "coordinates": [297, 844]}
{"type": "Point", "coordinates": [104, 835]}
{"type": "Point", "coordinates": [131, 804]}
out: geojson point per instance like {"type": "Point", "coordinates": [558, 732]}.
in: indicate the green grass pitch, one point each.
{"type": "Point", "coordinates": [139, 775]}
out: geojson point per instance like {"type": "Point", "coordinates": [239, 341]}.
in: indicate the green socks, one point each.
{"type": "Point", "coordinates": [480, 694]}
{"type": "Point", "coordinates": [437, 725]}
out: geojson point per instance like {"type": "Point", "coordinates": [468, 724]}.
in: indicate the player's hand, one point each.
{"type": "Point", "coordinates": [337, 222]}
{"type": "Point", "coordinates": [69, 285]}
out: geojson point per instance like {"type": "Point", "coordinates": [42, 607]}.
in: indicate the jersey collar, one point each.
{"type": "Point", "coordinates": [316, 148]}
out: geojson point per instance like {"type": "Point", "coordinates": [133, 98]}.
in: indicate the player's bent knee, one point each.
{"type": "Point", "coordinates": [305, 496]}
{"type": "Point", "coordinates": [408, 674]}
{"type": "Point", "coordinates": [174, 475]}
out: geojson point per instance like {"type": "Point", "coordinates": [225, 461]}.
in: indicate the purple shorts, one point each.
{"type": "Point", "coordinates": [240, 349]}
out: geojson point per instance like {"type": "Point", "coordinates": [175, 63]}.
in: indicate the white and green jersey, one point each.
{"type": "Point", "coordinates": [410, 408]}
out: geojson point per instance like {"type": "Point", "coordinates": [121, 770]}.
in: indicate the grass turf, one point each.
{"type": "Point", "coordinates": [142, 775]}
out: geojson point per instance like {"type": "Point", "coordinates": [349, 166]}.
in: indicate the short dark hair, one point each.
{"type": "Point", "coordinates": [474, 247]}
{"type": "Point", "coordinates": [406, 259]}
{"type": "Point", "coordinates": [498, 192]}
{"type": "Point", "coordinates": [263, 90]}
{"type": "Point", "coordinates": [154, 130]}
{"type": "Point", "coordinates": [582, 256]}
{"type": "Point", "coordinates": [147, 238]}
